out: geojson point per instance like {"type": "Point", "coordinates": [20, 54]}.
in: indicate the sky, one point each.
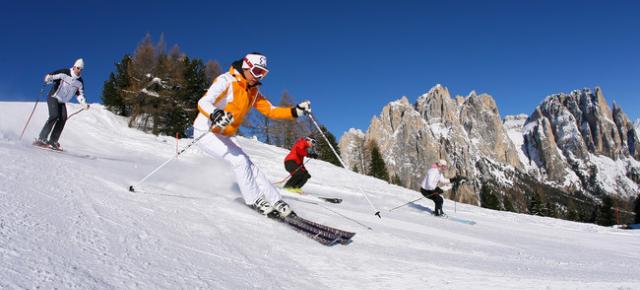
{"type": "Point", "coordinates": [350, 58]}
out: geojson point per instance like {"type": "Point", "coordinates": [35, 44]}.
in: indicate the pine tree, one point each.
{"type": "Point", "coordinates": [212, 71]}
{"type": "Point", "coordinates": [636, 210]}
{"type": "Point", "coordinates": [488, 199]}
{"type": "Point", "coordinates": [605, 214]}
{"type": "Point", "coordinates": [140, 93]}
{"type": "Point", "coordinates": [535, 205]}
{"type": "Point", "coordinates": [378, 168]}
{"type": "Point", "coordinates": [257, 124]}
{"type": "Point", "coordinates": [395, 179]}
{"type": "Point", "coordinates": [324, 151]}
{"type": "Point", "coordinates": [508, 205]}
{"type": "Point", "coordinates": [572, 213]}
{"type": "Point", "coordinates": [285, 133]}
{"type": "Point", "coordinates": [112, 93]}
{"type": "Point", "coordinates": [551, 209]}
{"type": "Point", "coordinates": [156, 89]}
{"type": "Point", "coordinates": [355, 169]}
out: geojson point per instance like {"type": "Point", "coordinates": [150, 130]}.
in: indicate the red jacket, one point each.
{"type": "Point", "coordinates": [298, 151]}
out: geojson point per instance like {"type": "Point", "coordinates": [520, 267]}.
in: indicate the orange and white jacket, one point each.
{"type": "Point", "coordinates": [230, 92]}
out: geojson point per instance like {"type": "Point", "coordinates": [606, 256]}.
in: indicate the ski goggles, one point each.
{"type": "Point", "coordinates": [313, 141]}
{"type": "Point", "coordinates": [257, 71]}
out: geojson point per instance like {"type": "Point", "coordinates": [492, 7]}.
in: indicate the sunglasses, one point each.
{"type": "Point", "coordinates": [257, 71]}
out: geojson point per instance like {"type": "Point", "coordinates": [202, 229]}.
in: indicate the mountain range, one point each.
{"type": "Point", "coordinates": [570, 152]}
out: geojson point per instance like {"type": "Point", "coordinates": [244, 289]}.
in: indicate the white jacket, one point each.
{"type": "Point", "coordinates": [434, 179]}
{"type": "Point", "coordinates": [66, 85]}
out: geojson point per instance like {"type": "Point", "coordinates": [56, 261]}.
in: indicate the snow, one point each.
{"type": "Point", "coordinates": [612, 174]}
{"type": "Point", "coordinates": [437, 87]}
{"type": "Point", "coordinates": [356, 132]}
{"type": "Point", "coordinates": [69, 222]}
{"type": "Point", "coordinates": [150, 93]}
{"type": "Point", "coordinates": [438, 129]}
{"type": "Point", "coordinates": [514, 124]}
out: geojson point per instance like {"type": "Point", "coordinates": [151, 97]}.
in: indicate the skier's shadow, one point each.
{"type": "Point", "coordinates": [421, 207]}
{"type": "Point", "coordinates": [236, 188]}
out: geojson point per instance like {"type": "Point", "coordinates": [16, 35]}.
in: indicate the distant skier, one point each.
{"type": "Point", "coordinates": [222, 110]}
{"type": "Point", "coordinates": [431, 185]}
{"type": "Point", "coordinates": [66, 84]}
{"type": "Point", "coordinates": [293, 163]}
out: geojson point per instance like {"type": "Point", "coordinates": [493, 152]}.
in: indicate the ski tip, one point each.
{"type": "Point", "coordinates": [131, 188]}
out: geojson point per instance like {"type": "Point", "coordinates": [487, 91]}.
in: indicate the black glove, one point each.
{"type": "Point", "coordinates": [220, 118]}
{"type": "Point", "coordinates": [457, 179]}
{"type": "Point", "coordinates": [313, 155]}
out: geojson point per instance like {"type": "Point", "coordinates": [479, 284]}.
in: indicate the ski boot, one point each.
{"type": "Point", "coordinates": [282, 208]}
{"type": "Point", "coordinates": [40, 143]}
{"type": "Point", "coordinates": [54, 145]}
{"type": "Point", "coordinates": [262, 206]}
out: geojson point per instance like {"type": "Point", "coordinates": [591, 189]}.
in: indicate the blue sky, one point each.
{"type": "Point", "coordinates": [350, 58]}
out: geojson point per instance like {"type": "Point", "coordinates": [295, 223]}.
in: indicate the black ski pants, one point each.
{"type": "Point", "coordinates": [299, 174]}
{"type": "Point", "coordinates": [56, 121]}
{"type": "Point", "coordinates": [436, 196]}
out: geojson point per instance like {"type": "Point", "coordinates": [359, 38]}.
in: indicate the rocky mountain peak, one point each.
{"type": "Point", "coordinates": [570, 144]}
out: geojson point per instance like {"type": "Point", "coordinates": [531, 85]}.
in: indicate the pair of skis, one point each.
{"type": "Point", "coordinates": [321, 233]}
{"type": "Point", "coordinates": [59, 151]}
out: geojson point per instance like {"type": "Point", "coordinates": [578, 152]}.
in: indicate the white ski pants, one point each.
{"type": "Point", "coordinates": [252, 182]}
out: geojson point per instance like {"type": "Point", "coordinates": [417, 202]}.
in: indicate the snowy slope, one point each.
{"type": "Point", "coordinates": [69, 222]}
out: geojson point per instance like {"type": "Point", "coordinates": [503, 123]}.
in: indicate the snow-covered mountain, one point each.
{"type": "Point", "coordinates": [463, 131]}
{"type": "Point", "coordinates": [584, 134]}
{"type": "Point", "coordinates": [68, 221]}
{"type": "Point", "coordinates": [573, 146]}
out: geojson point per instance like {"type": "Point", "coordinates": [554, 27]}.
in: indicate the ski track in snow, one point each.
{"type": "Point", "coordinates": [70, 222]}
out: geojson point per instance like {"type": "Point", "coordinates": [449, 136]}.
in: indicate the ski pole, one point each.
{"type": "Point", "coordinates": [132, 188]}
{"type": "Point", "coordinates": [34, 109]}
{"type": "Point", "coordinates": [377, 212]}
{"type": "Point", "coordinates": [406, 203]}
{"type": "Point", "coordinates": [345, 217]}
{"type": "Point", "coordinates": [292, 173]}
{"type": "Point", "coordinates": [74, 113]}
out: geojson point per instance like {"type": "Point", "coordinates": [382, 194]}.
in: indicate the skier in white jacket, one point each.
{"type": "Point", "coordinates": [66, 84]}
{"type": "Point", "coordinates": [431, 184]}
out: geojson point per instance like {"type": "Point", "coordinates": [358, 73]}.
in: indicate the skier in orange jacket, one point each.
{"type": "Point", "coordinates": [222, 110]}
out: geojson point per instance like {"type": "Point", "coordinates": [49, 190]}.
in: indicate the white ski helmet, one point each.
{"type": "Point", "coordinates": [442, 163]}
{"type": "Point", "coordinates": [254, 59]}
{"type": "Point", "coordinates": [79, 63]}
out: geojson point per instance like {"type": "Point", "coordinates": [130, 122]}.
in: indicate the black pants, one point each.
{"type": "Point", "coordinates": [57, 117]}
{"type": "Point", "coordinates": [298, 176]}
{"type": "Point", "coordinates": [436, 197]}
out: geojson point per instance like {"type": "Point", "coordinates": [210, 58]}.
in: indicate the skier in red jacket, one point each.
{"type": "Point", "coordinates": [294, 164]}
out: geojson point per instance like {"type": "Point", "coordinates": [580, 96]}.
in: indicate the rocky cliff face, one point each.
{"type": "Point", "coordinates": [461, 131]}
{"type": "Point", "coordinates": [351, 149]}
{"type": "Point", "coordinates": [569, 135]}
{"type": "Point", "coordinates": [572, 144]}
